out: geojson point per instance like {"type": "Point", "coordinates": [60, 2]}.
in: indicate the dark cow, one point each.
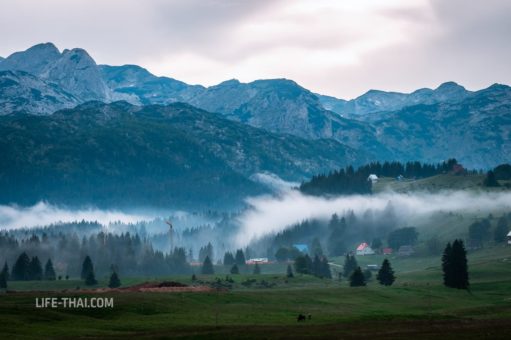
{"type": "Point", "coordinates": [300, 318]}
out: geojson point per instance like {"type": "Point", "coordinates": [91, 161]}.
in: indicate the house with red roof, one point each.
{"type": "Point", "coordinates": [364, 249]}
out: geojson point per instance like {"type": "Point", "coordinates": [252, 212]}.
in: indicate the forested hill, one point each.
{"type": "Point", "coordinates": [166, 156]}
{"type": "Point", "coordinates": [350, 181]}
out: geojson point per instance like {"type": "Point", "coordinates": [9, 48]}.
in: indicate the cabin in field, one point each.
{"type": "Point", "coordinates": [406, 251]}
{"type": "Point", "coordinates": [509, 238]}
{"type": "Point", "coordinates": [373, 178]}
{"type": "Point", "coordinates": [303, 248]}
{"type": "Point", "coordinates": [259, 260]}
{"type": "Point", "coordinates": [364, 249]}
{"type": "Point", "coordinates": [387, 251]}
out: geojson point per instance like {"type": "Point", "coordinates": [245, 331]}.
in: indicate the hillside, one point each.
{"type": "Point", "coordinates": [166, 156]}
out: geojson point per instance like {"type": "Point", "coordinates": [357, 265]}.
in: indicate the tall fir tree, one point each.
{"type": "Point", "coordinates": [455, 265]}
{"type": "Point", "coordinates": [289, 271]}
{"type": "Point", "coordinates": [20, 270]}
{"type": "Point", "coordinates": [357, 278]}
{"type": "Point", "coordinates": [49, 271]}
{"type": "Point", "coordinates": [35, 269]}
{"type": "Point", "coordinates": [87, 267]}
{"type": "Point", "coordinates": [447, 266]}
{"type": "Point", "coordinates": [240, 257]}
{"type": "Point", "coordinates": [3, 281]}
{"type": "Point", "coordinates": [207, 267]}
{"type": "Point", "coordinates": [385, 275]}
{"type": "Point", "coordinates": [5, 271]}
{"type": "Point", "coordinates": [350, 264]}
{"type": "Point", "coordinates": [114, 282]}
{"type": "Point", "coordinates": [234, 269]}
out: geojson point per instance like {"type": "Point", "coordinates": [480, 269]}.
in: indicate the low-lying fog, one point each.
{"type": "Point", "coordinates": [273, 214]}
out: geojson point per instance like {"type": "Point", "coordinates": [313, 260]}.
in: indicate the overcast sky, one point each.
{"type": "Point", "coordinates": [338, 47]}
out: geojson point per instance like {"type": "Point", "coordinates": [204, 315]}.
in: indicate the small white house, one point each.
{"type": "Point", "coordinates": [364, 249]}
{"type": "Point", "coordinates": [373, 178]}
{"type": "Point", "coordinates": [509, 238]}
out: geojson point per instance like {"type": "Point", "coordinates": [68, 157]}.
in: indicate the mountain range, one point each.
{"type": "Point", "coordinates": [430, 125]}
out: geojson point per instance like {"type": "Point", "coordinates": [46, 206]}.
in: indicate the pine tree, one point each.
{"type": "Point", "coordinates": [114, 280]}
{"type": "Point", "coordinates": [350, 264]}
{"type": "Point", "coordinates": [325, 268]}
{"type": "Point", "coordinates": [229, 259]}
{"type": "Point", "coordinates": [3, 281]}
{"type": "Point", "coordinates": [87, 267]}
{"type": "Point", "coordinates": [90, 280]}
{"type": "Point", "coordinates": [386, 274]}
{"type": "Point", "coordinates": [289, 272]}
{"type": "Point", "coordinates": [207, 267]}
{"type": "Point", "coordinates": [257, 269]}
{"type": "Point", "coordinates": [357, 278]}
{"type": "Point", "coordinates": [240, 257]}
{"type": "Point", "coordinates": [235, 270]}
{"type": "Point", "coordinates": [447, 265]}
{"type": "Point", "coordinates": [491, 180]}
{"type": "Point", "coordinates": [35, 269]}
{"type": "Point", "coordinates": [316, 267]}
{"type": "Point", "coordinates": [301, 265]}
{"type": "Point", "coordinates": [317, 250]}
{"type": "Point", "coordinates": [459, 265]}
{"type": "Point", "coordinates": [455, 266]}
{"type": "Point", "coordinates": [49, 271]}
{"type": "Point", "coordinates": [5, 271]}
{"type": "Point", "coordinates": [20, 270]}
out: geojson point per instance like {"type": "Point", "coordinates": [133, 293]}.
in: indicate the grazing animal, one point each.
{"type": "Point", "coordinates": [309, 316]}
{"type": "Point", "coordinates": [300, 318]}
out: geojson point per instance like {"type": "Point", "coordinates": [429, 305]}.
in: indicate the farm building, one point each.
{"type": "Point", "coordinates": [373, 178]}
{"type": "Point", "coordinates": [302, 248]}
{"type": "Point", "coordinates": [509, 238]}
{"type": "Point", "coordinates": [260, 260]}
{"type": "Point", "coordinates": [387, 251]}
{"type": "Point", "coordinates": [406, 251]}
{"type": "Point", "coordinates": [364, 249]}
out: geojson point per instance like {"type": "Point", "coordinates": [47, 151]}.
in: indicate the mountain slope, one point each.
{"type": "Point", "coordinates": [169, 156]}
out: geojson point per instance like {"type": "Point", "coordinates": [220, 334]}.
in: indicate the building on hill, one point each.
{"type": "Point", "coordinates": [458, 169]}
{"type": "Point", "coordinates": [509, 238]}
{"type": "Point", "coordinates": [387, 251]}
{"type": "Point", "coordinates": [303, 248]}
{"type": "Point", "coordinates": [364, 249]}
{"type": "Point", "coordinates": [373, 178]}
{"type": "Point", "coordinates": [406, 251]}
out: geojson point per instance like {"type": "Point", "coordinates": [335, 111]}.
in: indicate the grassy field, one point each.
{"type": "Point", "coordinates": [417, 305]}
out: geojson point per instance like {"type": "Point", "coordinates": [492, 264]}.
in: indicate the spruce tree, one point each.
{"type": "Point", "coordinates": [240, 257]}
{"type": "Point", "coordinates": [3, 281]}
{"type": "Point", "coordinates": [207, 267]}
{"type": "Point", "coordinates": [289, 272]}
{"type": "Point", "coordinates": [229, 259]}
{"type": "Point", "coordinates": [235, 270]}
{"type": "Point", "coordinates": [49, 271]}
{"type": "Point", "coordinates": [35, 269]}
{"type": "Point", "coordinates": [325, 268]}
{"type": "Point", "coordinates": [455, 266]}
{"type": "Point", "coordinates": [257, 269]}
{"type": "Point", "coordinates": [5, 271]}
{"type": "Point", "coordinates": [447, 266]}
{"type": "Point", "coordinates": [87, 267]}
{"type": "Point", "coordinates": [386, 274]}
{"type": "Point", "coordinates": [491, 180]}
{"type": "Point", "coordinates": [20, 270]}
{"type": "Point", "coordinates": [459, 265]}
{"type": "Point", "coordinates": [114, 280]}
{"type": "Point", "coordinates": [316, 267]}
{"type": "Point", "coordinates": [90, 280]}
{"type": "Point", "coordinates": [357, 278]}
{"type": "Point", "coordinates": [301, 265]}
{"type": "Point", "coordinates": [350, 264]}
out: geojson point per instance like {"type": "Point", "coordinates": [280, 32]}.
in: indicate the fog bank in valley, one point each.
{"type": "Point", "coordinates": [43, 214]}
{"type": "Point", "coordinates": [273, 214]}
